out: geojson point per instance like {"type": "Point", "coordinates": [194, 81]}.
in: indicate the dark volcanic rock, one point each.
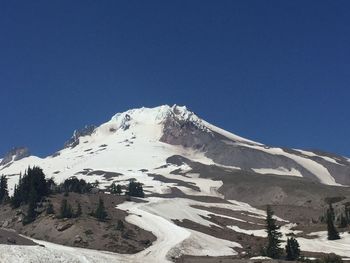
{"type": "Point", "coordinates": [74, 140]}
{"type": "Point", "coordinates": [15, 154]}
{"type": "Point", "coordinates": [191, 132]}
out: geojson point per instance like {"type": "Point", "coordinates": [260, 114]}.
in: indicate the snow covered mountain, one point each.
{"type": "Point", "coordinates": [142, 139]}
{"type": "Point", "coordinates": [200, 182]}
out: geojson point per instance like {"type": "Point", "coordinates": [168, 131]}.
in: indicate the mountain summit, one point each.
{"type": "Point", "coordinates": [158, 133]}
{"type": "Point", "coordinates": [202, 185]}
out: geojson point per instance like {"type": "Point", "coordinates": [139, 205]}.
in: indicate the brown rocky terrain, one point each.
{"type": "Point", "coordinates": [115, 234]}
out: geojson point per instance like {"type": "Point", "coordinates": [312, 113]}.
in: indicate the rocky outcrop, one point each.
{"type": "Point", "coordinates": [74, 140]}
{"type": "Point", "coordinates": [15, 154]}
{"type": "Point", "coordinates": [191, 132]}
{"type": "Point", "coordinates": [63, 226]}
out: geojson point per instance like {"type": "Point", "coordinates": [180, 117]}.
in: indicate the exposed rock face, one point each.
{"type": "Point", "coordinates": [15, 154]}
{"type": "Point", "coordinates": [74, 140]}
{"type": "Point", "coordinates": [63, 226]}
{"type": "Point", "coordinates": [191, 132]}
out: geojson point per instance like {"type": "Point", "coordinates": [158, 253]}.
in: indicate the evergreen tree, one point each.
{"type": "Point", "coordinates": [332, 231]}
{"type": "Point", "coordinates": [273, 249]}
{"type": "Point", "coordinates": [135, 189]}
{"type": "Point", "coordinates": [66, 209]}
{"type": "Point", "coordinates": [95, 184]}
{"type": "Point", "coordinates": [15, 200]}
{"type": "Point", "coordinates": [343, 221]}
{"type": "Point", "coordinates": [292, 249]}
{"type": "Point", "coordinates": [331, 212]}
{"type": "Point", "coordinates": [113, 188]}
{"type": "Point", "coordinates": [49, 209]}
{"type": "Point", "coordinates": [100, 212]}
{"type": "Point", "coordinates": [119, 189]}
{"type": "Point", "coordinates": [120, 225]}
{"type": "Point", "coordinates": [34, 182]}
{"type": "Point", "coordinates": [4, 194]}
{"type": "Point", "coordinates": [73, 184]}
{"type": "Point", "coordinates": [79, 211]}
{"type": "Point", "coordinates": [31, 213]}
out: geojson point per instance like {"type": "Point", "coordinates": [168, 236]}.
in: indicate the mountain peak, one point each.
{"type": "Point", "coordinates": [156, 115]}
{"type": "Point", "coordinates": [74, 140]}
{"type": "Point", "coordinates": [15, 154]}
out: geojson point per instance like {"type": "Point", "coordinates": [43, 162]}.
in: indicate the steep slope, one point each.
{"type": "Point", "coordinates": [195, 176]}
{"type": "Point", "coordinates": [144, 138]}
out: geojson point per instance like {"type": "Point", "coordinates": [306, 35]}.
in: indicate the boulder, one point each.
{"type": "Point", "coordinates": [6, 223]}
{"type": "Point", "coordinates": [63, 226]}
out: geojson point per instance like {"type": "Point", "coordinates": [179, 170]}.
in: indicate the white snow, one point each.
{"type": "Point", "coordinates": [54, 253]}
{"type": "Point", "coordinates": [311, 154]}
{"type": "Point", "coordinates": [340, 247]}
{"type": "Point", "coordinates": [229, 135]}
{"type": "Point", "coordinates": [156, 216]}
{"type": "Point", "coordinates": [315, 168]}
{"type": "Point", "coordinates": [129, 143]}
{"type": "Point", "coordinates": [285, 229]}
{"type": "Point", "coordinates": [279, 171]}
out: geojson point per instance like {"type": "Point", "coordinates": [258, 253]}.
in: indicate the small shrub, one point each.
{"type": "Point", "coordinates": [66, 210]}
{"type": "Point", "coordinates": [100, 212]}
{"type": "Point", "coordinates": [120, 225]}
{"type": "Point", "coordinates": [49, 209]}
{"type": "Point", "coordinates": [331, 258]}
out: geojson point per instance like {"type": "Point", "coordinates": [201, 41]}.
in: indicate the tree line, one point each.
{"type": "Point", "coordinates": [33, 188]}
{"type": "Point", "coordinates": [292, 251]}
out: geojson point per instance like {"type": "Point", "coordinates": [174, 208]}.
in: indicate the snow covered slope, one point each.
{"type": "Point", "coordinates": [144, 138]}
{"type": "Point", "coordinates": [139, 143]}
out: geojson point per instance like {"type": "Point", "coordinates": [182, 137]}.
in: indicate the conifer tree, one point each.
{"type": "Point", "coordinates": [135, 189]}
{"type": "Point", "coordinates": [343, 221]}
{"type": "Point", "coordinates": [79, 211]}
{"type": "Point", "coordinates": [100, 212]}
{"type": "Point", "coordinates": [15, 200]}
{"type": "Point", "coordinates": [292, 249]}
{"type": "Point", "coordinates": [4, 194]}
{"type": "Point", "coordinates": [95, 184]}
{"type": "Point", "coordinates": [31, 213]}
{"type": "Point", "coordinates": [34, 182]}
{"type": "Point", "coordinates": [119, 189]}
{"type": "Point", "coordinates": [273, 249]}
{"type": "Point", "coordinates": [49, 209]}
{"type": "Point", "coordinates": [332, 231]}
{"type": "Point", "coordinates": [66, 209]}
{"type": "Point", "coordinates": [113, 188]}
{"type": "Point", "coordinates": [120, 225]}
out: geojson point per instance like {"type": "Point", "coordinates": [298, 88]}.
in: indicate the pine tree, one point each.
{"type": "Point", "coordinates": [32, 181]}
{"type": "Point", "coordinates": [79, 211]}
{"type": "Point", "coordinates": [4, 194]}
{"type": "Point", "coordinates": [292, 249]}
{"type": "Point", "coordinates": [119, 189]}
{"type": "Point", "coordinates": [113, 188]}
{"type": "Point", "coordinates": [343, 221]}
{"type": "Point", "coordinates": [100, 212]}
{"type": "Point", "coordinates": [95, 184]}
{"type": "Point", "coordinates": [135, 189]}
{"type": "Point", "coordinates": [332, 231]}
{"type": "Point", "coordinates": [15, 200]}
{"type": "Point", "coordinates": [66, 209]}
{"type": "Point", "coordinates": [273, 249]}
{"type": "Point", "coordinates": [120, 225]}
{"type": "Point", "coordinates": [31, 213]}
{"type": "Point", "coordinates": [49, 209]}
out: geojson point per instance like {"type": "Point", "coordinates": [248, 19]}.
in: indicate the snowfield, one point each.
{"type": "Point", "coordinates": [128, 147]}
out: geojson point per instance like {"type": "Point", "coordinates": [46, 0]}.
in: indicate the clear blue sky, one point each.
{"type": "Point", "coordinates": [273, 71]}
